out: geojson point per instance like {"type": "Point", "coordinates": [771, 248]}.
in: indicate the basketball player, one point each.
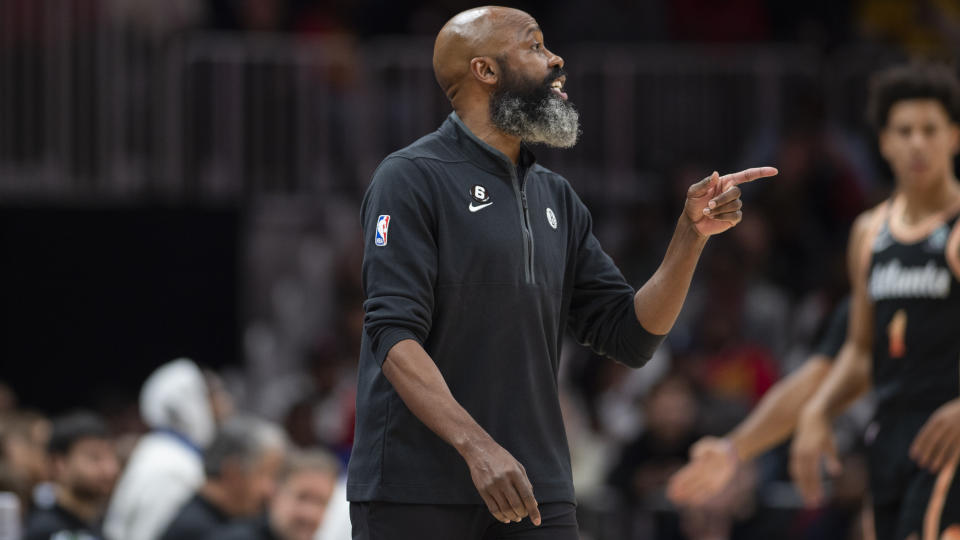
{"type": "Point", "coordinates": [904, 327]}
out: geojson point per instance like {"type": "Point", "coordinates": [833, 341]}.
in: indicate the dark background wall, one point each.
{"type": "Point", "coordinates": [99, 296]}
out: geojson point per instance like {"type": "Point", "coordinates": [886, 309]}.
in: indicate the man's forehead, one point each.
{"type": "Point", "coordinates": [520, 21]}
{"type": "Point", "coordinates": [530, 29]}
{"type": "Point", "coordinates": [922, 107]}
{"type": "Point", "coordinates": [513, 32]}
{"type": "Point", "coordinates": [514, 23]}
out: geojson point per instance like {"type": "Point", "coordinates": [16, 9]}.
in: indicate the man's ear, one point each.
{"type": "Point", "coordinates": [485, 70]}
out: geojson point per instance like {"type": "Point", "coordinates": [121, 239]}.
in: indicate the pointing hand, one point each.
{"type": "Point", "coordinates": [714, 205]}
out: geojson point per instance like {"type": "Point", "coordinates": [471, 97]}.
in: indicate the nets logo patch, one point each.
{"type": "Point", "coordinates": [552, 219]}
{"type": "Point", "coordinates": [383, 226]}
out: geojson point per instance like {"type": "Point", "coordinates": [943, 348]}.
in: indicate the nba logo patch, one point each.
{"type": "Point", "coordinates": [383, 225]}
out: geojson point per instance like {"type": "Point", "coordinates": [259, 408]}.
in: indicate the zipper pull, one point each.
{"type": "Point", "coordinates": [523, 199]}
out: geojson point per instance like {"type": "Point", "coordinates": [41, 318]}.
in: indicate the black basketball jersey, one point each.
{"type": "Point", "coordinates": [913, 284]}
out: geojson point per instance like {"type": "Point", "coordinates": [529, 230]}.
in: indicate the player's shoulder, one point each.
{"type": "Point", "coordinates": [862, 233]}
{"type": "Point", "coordinates": [868, 219]}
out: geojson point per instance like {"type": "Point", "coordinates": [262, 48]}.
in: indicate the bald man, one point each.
{"type": "Point", "coordinates": [476, 262]}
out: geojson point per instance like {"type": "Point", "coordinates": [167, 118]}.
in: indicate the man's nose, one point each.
{"type": "Point", "coordinates": [917, 138]}
{"type": "Point", "coordinates": [555, 60]}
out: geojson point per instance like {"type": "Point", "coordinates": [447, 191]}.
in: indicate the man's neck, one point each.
{"type": "Point", "coordinates": [478, 121]}
{"type": "Point", "coordinates": [87, 511]}
{"type": "Point", "coordinates": [921, 204]}
{"type": "Point", "coordinates": [218, 496]}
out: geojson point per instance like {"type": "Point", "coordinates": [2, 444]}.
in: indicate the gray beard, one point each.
{"type": "Point", "coordinates": [553, 121]}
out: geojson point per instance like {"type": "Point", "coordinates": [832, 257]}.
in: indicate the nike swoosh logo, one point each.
{"type": "Point", "coordinates": [473, 208]}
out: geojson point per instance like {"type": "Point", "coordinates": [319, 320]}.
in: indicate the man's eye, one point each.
{"type": "Point", "coordinates": [536, 46]}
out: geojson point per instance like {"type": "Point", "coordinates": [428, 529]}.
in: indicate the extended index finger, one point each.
{"type": "Point", "coordinates": [749, 175]}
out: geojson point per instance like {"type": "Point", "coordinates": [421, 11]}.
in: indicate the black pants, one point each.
{"type": "Point", "coordinates": [931, 504]}
{"type": "Point", "coordinates": [910, 503]}
{"type": "Point", "coordinates": [393, 521]}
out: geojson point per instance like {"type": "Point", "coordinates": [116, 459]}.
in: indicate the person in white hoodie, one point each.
{"type": "Point", "coordinates": [166, 467]}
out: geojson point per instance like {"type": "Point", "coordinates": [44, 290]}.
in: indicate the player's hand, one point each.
{"type": "Point", "coordinates": [713, 463]}
{"type": "Point", "coordinates": [938, 442]}
{"type": "Point", "coordinates": [713, 204]}
{"type": "Point", "coordinates": [812, 444]}
{"type": "Point", "coordinates": [502, 483]}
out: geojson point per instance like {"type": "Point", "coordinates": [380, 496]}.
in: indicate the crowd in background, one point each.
{"type": "Point", "coordinates": [196, 469]}
{"type": "Point", "coordinates": [755, 311]}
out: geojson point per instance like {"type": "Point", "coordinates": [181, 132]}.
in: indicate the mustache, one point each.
{"type": "Point", "coordinates": [554, 74]}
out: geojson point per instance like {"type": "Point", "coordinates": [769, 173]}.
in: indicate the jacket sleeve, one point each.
{"type": "Point", "coordinates": [602, 315]}
{"type": "Point", "coordinates": [400, 256]}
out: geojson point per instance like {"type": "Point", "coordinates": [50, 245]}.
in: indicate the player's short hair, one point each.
{"type": "Point", "coordinates": [915, 80]}
{"type": "Point", "coordinates": [244, 439]}
{"type": "Point", "coordinates": [70, 429]}
{"type": "Point", "coordinates": [310, 460]}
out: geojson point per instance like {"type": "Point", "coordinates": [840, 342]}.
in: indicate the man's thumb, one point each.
{"type": "Point", "coordinates": [702, 187]}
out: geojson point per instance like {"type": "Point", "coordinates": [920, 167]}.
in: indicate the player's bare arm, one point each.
{"type": "Point", "coordinates": [813, 442]}
{"type": "Point", "coordinates": [938, 442]}
{"type": "Point", "coordinates": [714, 460]}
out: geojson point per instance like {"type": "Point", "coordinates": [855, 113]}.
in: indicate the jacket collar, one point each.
{"type": "Point", "coordinates": [481, 153]}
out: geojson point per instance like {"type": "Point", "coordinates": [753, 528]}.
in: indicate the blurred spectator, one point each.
{"type": "Point", "coordinates": [11, 527]}
{"type": "Point", "coordinates": [673, 418]}
{"type": "Point", "coordinates": [221, 402]}
{"type": "Point", "coordinates": [85, 467]}
{"type": "Point", "coordinates": [336, 519]}
{"type": "Point", "coordinates": [733, 367]}
{"type": "Point", "coordinates": [671, 413]}
{"type": "Point", "coordinates": [325, 416]}
{"type": "Point", "coordinates": [23, 447]}
{"type": "Point", "coordinates": [8, 399]}
{"type": "Point", "coordinates": [14, 484]}
{"type": "Point", "coordinates": [241, 466]}
{"type": "Point", "coordinates": [166, 466]}
{"type": "Point", "coordinates": [304, 490]}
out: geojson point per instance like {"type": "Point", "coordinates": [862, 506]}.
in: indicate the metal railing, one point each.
{"type": "Point", "coordinates": [93, 107]}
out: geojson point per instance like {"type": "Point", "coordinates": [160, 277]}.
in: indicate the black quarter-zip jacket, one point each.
{"type": "Point", "coordinates": [487, 280]}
